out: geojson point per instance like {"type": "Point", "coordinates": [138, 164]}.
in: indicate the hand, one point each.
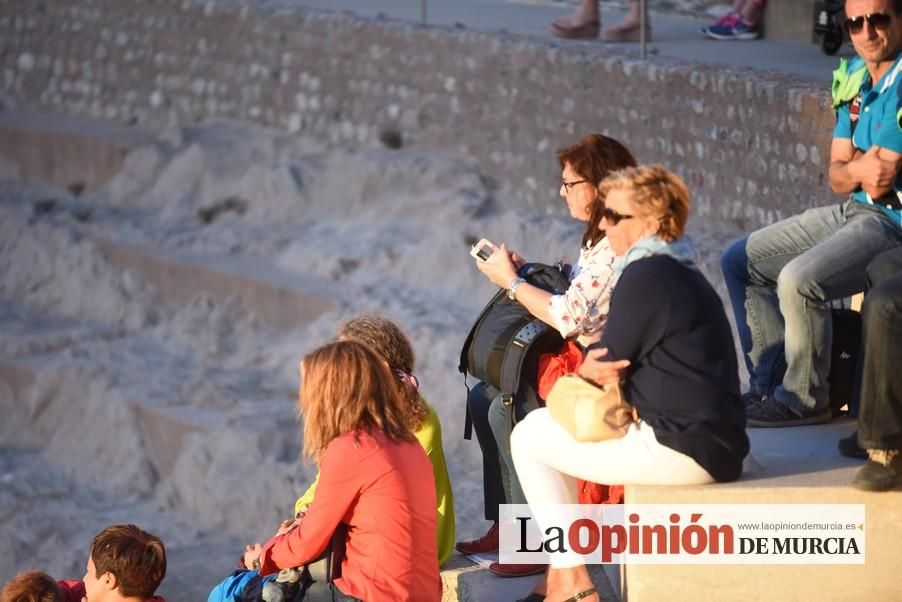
{"type": "Point", "coordinates": [874, 172]}
{"type": "Point", "coordinates": [517, 260]}
{"type": "Point", "coordinates": [499, 268]}
{"type": "Point", "coordinates": [288, 525]}
{"type": "Point", "coordinates": [252, 555]}
{"type": "Point", "coordinates": [603, 372]}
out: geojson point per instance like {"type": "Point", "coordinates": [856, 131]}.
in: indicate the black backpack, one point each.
{"type": "Point", "coordinates": [505, 342]}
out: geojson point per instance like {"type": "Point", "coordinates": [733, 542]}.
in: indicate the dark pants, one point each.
{"type": "Point", "coordinates": [479, 402]}
{"type": "Point", "coordinates": [880, 415]}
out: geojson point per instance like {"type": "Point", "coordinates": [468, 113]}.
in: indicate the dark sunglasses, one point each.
{"type": "Point", "coordinates": [613, 217]}
{"type": "Point", "coordinates": [876, 20]}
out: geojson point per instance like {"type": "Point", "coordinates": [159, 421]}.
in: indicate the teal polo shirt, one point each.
{"type": "Point", "coordinates": [877, 107]}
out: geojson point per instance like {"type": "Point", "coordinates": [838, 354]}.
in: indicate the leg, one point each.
{"type": "Point", "coordinates": [833, 269]}
{"type": "Point", "coordinates": [479, 401]}
{"type": "Point", "coordinates": [750, 269]}
{"type": "Point", "coordinates": [880, 418]}
{"type": "Point", "coordinates": [582, 23]}
{"type": "Point", "coordinates": [500, 420]}
{"type": "Point", "coordinates": [547, 472]}
{"type": "Point", "coordinates": [628, 29]}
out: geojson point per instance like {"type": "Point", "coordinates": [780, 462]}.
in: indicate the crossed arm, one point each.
{"type": "Point", "coordinates": [874, 170]}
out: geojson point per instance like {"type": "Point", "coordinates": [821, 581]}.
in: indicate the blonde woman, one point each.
{"type": "Point", "coordinates": [668, 340]}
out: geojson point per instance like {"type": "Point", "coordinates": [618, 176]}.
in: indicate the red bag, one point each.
{"type": "Point", "coordinates": [552, 366]}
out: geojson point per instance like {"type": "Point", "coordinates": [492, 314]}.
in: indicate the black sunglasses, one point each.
{"type": "Point", "coordinates": [876, 20]}
{"type": "Point", "coordinates": [613, 217]}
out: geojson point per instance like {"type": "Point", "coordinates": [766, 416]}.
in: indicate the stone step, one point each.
{"type": "Point", "coordinates": [278, 298]}
{"type": "Point", "coordinates": [797, 466]}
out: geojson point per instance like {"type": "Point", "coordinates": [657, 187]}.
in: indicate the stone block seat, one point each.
{"type": "Point", "coordinates": [795, 466]}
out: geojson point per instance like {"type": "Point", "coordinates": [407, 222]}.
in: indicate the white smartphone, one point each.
{"type": "Point", "coordinates": [482, 250]}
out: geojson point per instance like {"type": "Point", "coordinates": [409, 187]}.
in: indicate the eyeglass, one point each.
{"type": "Point", "coordinates": [613, 217]}
{"type": "Point", "coordinates": [876, 20]}
{"type": "Point", "coordinates": [569, 185]}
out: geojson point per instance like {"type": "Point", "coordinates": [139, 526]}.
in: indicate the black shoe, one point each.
{"type": "Point", "coordinates": [750, 399]}
{"type": "Point", "coordinates": [848, 446]}
{"type": "Point", "coordinates": [875, 476]}
{"type": "Point", "coordinates": [771, 413]}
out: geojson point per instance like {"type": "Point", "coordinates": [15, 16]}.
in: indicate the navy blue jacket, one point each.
{"type": "Point", "coordinates": [683, 379]}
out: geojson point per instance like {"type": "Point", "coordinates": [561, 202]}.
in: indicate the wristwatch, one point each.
{"type": "Point", "coordinates": [512, 288]}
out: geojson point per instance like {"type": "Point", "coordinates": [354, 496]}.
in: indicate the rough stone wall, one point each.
{"type": "Point", "coordinates": [753, 147]}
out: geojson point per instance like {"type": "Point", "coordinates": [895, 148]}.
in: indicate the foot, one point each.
{"type": "Point", "coordinates": [627, 31]}
{"type": "Point", "coordinates": [771, 413]}
{"type": "Point", "coordinates": [516, 570]}
{"type": "Point", "coordinates": [848, 446]}
{"type": "Point", "coordinates": [576, 27]}
{"type": "Point", "coordinates": [481, 545]}
{"type": "Point", "coordinates": [740, 30]}
{"type": "Point", "coordinates": [883, 471]}
{"type": "Point", "coordinates": [749, 399]}
{"type": "Point", "coordinates": [727, 20]}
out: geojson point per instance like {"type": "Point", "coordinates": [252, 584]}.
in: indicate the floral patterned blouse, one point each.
{"type": "Point", "coordinates": [583, 310]}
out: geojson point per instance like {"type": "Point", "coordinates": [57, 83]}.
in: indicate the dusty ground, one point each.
{"type": "Point", "coordinates": [95, 348]}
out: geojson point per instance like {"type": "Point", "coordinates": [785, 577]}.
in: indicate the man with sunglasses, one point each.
{"type": "Point", "coordinates": [781, 278]}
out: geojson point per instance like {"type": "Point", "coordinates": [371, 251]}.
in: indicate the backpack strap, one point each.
{"type": "Point", "coordinates": [514, 356]}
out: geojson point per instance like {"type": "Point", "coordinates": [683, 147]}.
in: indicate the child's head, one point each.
{"type": "Point", "coordinates": [384, 337]}
{"type": "Point", "coordinates": [390, 343]}
{"type": "Point", "coordinates": [124, 562]}
{"type": "Point", "coordinates": [31, 586]}
{"type": "Point", "coordinates": [345, 386]}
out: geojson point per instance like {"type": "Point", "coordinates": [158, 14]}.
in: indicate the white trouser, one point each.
{"type": "Point", "coordinates": [548, 462]}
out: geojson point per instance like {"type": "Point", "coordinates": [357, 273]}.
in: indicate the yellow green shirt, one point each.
{"type": "Point", "coordinates": [430, 437]}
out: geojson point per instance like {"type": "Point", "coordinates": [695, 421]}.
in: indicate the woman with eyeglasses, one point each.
{"type": "Point", "coordinates": [667, 339]}
{"type": "Point", "coordinates": [578, 314]}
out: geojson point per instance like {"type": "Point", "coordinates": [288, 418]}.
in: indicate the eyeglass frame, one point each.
{"type": "Point", "coordinates": [568, 185]}
{"type": "Point", "coordinates": [855, 25]}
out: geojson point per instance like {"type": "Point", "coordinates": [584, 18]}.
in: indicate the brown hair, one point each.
{"type": "Point", "coordinates": [593, 158]}
{"type": "Point", "coordinates": [136, 558]}
{"type": "Point", "coordinates": [657, 191]}
{"type": "Point", "coordinates": [347, 387]}
{"type": "Point", "coordinates": [31, 586]}
{"type": "Point", "coordinates": [388, 341]}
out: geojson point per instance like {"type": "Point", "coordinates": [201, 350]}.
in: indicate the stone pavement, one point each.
{"type": "Point", "coordinates": [676, 33]}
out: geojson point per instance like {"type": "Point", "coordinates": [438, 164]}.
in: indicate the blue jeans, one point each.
{"type": "Point", "coordinates": [780, 280]}
{"type": "Point", "coordinates": [500, 418]}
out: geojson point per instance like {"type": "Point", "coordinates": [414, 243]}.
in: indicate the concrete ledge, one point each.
{"type": "Point", "coordinates": [277, 298]}
{"type": "Point", "coordinates": [798, 466]}
{"type": "Point", "coordinates": [68, 153]}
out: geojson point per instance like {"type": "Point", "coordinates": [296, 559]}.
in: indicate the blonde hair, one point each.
{"type": "Point", "coordinates": [657, 191]}
{"type": "Point", "coordinates": [388, 341]}
{"type": "Point", "coordinates": [347, 387]}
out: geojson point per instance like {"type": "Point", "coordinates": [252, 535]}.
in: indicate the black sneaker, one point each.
{"type": "Point", "coordinates": [877, 475]}
{"type": "Point", "coordinates": [848, 446]}
{"type": "Point", "coordinates": [749, 399]}
{"type": "Point", "coordinates": [768, 412]}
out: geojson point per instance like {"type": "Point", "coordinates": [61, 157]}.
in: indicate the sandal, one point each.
{"type": "Point", "coordinates": [587, 30]}
{"type": "Point", "coordinates": [625, 34]}
{"type": "Point", "coordinates": [581, 595]}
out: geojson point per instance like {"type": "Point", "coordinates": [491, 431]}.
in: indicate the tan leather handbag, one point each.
{"type": "Point", "coordinates": [589, 412]}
